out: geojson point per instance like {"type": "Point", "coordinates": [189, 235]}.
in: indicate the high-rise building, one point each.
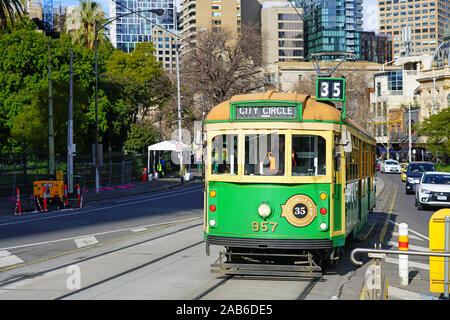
{"type": "Point", "coordinates": [417, 27]}
{"type": "Point", "coordinates": [131, 29]}
{"type": "Point", "coordinates": [333, 26]}
{"type": "Point", "coordinates": [282, 33]}
{"type": "Point", "coordinates": [197, 15]}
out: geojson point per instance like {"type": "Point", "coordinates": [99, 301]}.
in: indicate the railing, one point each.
{"type": "Point", "coordinates": [376, 283]}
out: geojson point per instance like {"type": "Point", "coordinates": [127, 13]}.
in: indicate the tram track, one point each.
{"type": "Point", "coordinates": [18, 279]}
{"type": "Point", "coordinates": [302, 296]}
{"type": "Point", "coordinates": [114, 277]}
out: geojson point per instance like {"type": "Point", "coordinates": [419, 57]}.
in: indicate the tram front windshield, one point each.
{"type": "Point", "coordinates": [264, 155]}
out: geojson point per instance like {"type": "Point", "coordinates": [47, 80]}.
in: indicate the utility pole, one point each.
{"type": "Point", "coordinates": [409, 135]}
{"type": "Point", "coordinates": [49, 33]}
{"type": "Point", "coordinates": [178, 95]}
{"type": "Point", "coordinates": [70, 145]}
{"type": "Point", "coordinates": [51, 137]}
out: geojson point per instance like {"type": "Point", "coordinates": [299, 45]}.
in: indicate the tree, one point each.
{"type": "Point", "coordinates": [9, 10]}
{"type": "Point", "coordinates": [220, 66]}
{"type": "Point", "coordinates": [144, 84]}
{"type": "Point", "coordinates": [83, 20]}
{"type": "Point", "coordinates": [436, 129]}
{"type": "Point", "coordinates": [140, 136]}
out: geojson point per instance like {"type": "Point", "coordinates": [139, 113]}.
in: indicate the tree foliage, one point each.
{"type": "Point", "coordinates": [85, 15]}
{"type": "Point", "coordinates": [220, 65]}
{"type": "Point", "coordinates": [130, 85]}
{"type": "Point", "coordinates": [9, 11]}
{"type": "Point", "coordinates": [436, 129]}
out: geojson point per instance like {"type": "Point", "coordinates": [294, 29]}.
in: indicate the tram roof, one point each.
{"type": "Point", "coordinates": [312, 109]}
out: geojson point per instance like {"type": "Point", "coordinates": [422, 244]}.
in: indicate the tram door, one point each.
{"type": "Point", "coordinates": [338, 180]}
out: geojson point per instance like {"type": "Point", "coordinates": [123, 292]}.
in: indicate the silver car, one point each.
{"type": "Point", "coordinates": [433, 190]}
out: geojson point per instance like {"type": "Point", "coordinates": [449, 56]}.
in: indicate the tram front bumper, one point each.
{"type": "Point", "coordinates": [270, 243]}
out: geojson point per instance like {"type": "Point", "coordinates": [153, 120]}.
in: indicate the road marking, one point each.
{"type": "Point", "coordinates": [94, 209]}
{"type": "Point", "coordinates": [86, 241]}
{"type": "Point", "coordinates": [100, 233]}
{"type": "Point", "coordinates": [408, 295]}
{"type": "Point", "coordinates": [411, 264]}
{"type": "Point", "coordinates": [410, 246]}
{"type": "Point", "coordinates": [138, 230]}
{"type": "Point", "coordinates": [88, 247]}
{"type": "Point", "coordinates": [411, 236]}
{"type": "Point", "coordinates": [7, 259]}
{"type": "Point", "coordinates": [391, 207]}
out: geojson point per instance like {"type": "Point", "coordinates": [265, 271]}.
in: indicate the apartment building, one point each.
{"type": "Point", "coordinates": [282, 33]}
{"type": "Point", "coordinates": [417, 26]}
{"type": "Point", "coordinates": [198, 15]}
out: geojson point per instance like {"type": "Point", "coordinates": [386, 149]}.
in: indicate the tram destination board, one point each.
{"type": "Point", "coordinates": [263, 112]}
{"type": "Point", "coordinates": [330, 89]}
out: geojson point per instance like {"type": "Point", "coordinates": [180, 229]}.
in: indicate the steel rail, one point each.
{"type": "Point", "coordinates": [405, 252]}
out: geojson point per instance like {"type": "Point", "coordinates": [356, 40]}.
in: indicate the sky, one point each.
{"type": "Point", "coordinates": [370, 10]}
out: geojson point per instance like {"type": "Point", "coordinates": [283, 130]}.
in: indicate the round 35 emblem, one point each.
{"type": "Point", "coordinates": [299, 210]}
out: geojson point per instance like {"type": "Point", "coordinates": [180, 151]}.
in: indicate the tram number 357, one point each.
{"type": "Point", "coordinates": [330, 89]}
{"type": "Point", "coordinates": [264, 226]}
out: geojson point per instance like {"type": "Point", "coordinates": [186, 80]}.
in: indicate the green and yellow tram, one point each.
{"type": "Point", "coordinates": [287, 181]}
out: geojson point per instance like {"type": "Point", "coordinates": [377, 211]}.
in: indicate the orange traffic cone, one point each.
{"type": "Point", "coordinates": [45, 199]}
{"type": "Point", "coordinates": [66, 202]}
{"type": "Point", "coordinates": [78, 195]}
{"type": "Point", "coordinates": [18, 209]}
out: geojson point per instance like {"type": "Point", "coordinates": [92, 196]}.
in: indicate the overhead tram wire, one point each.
{"type": "Point", "coordinates": [167, 30]}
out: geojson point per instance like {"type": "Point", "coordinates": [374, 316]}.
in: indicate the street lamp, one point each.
{"type": "Point", "coordinates": [97, 28]}
{"type": "Point", "coordinates": [49, 33]}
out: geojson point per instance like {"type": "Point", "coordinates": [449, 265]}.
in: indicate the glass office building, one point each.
{"type": "Point", "coordinates": [333, 26]}
{"type": "Point", "coordinates": [131, 29]}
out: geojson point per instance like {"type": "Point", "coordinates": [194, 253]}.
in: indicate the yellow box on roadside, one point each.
{"type": "Point", "coordinates": [437, 244]}
{"type": "Point", "coordinates": [55, 189]}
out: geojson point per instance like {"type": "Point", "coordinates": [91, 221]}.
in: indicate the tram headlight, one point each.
{"type": "Point", "coordinates": [323, 226]}
{"type": "Point", "coordinates": [212, 223]}
{"type": "Point", "coordinates": [264, 210]}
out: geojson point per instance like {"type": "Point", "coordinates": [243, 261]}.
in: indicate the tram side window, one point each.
{"type": "Point", "coordinates": [308, 155]}
{"type": "Point", "coordinates": [225, 154]}
{"type": "Point", "coordinates": [264, 154]}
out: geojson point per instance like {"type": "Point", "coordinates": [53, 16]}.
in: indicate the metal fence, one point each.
{"type": "Point", "coordinates": [20, 170]}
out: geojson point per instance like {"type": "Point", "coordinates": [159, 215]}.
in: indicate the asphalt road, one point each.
{"type": "Point", "coordinates": [150, 247]}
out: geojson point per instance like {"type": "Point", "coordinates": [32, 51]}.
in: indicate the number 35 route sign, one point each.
{"type": "Point", "coordinates": [330, 89]}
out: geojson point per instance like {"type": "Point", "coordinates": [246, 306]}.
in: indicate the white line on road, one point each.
{"type": "Point", "coordinates": [411, 264]}
{"type": "Point", "coordinates": [100, 233]}
{"type": "Point", "coordinates": [412, 231]}
{"type": "Point", "coordinates": [95, 209]}
{"type": "Point", "coordinates": [408, 295]}
{"type": "Point", "coordinates": [410, 246]}
{"type": "Point", "coordinates": [7, 259]}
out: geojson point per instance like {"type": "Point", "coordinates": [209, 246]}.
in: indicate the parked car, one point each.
{"type": "Point", "coordinates": [403, 171]}
{"type": "Point", "coordinates": [390, 166]}
{"type": "Point", "coordinates": [433, 190]}
{"type": "Point", "coordinates": [414, 172]}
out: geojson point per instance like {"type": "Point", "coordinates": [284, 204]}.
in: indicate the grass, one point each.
{"type": "Point", "coordinates": [443, 167]}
